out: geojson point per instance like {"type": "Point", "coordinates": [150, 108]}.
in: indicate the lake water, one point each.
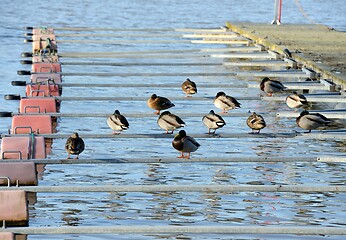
{"type": "Point", "coordinates": [187, 209]}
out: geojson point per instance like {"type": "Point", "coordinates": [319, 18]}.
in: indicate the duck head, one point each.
{"type": "Point", "coordinates": [165, 113]}
{"type": "Point", "coordinates": [220, 94]}
{"type": "Point", "coordinates": [75, 135]}
{"type": "Point", "coordinates": [303, 113]}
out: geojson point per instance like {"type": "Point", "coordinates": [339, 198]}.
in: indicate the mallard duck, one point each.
{"type": "Point", "coordinates": [213, 121]}
{"type": "Point", "coordinates": [271, 86]}
{"type": "Point", "coordinates": [309, 121]}
{"type": "Point", "coordinates": [169, 122]}
{"type": "Point", "coordinates": [296, 100]}
{"type": "Point", "coordinates": [256, 122]}
{"type": "Point", "coordinates": [189, 87]}
{"type": "Point", "coordinates": [74, 145]}
{"type": "Point", "coordinates": [117, 122]}
{"type": "Point", "coordinates": [225, 102]}
{"type": "Point", "coordinates": [159, 103]}
{"type": "Point", "coordinates": [185, 144]}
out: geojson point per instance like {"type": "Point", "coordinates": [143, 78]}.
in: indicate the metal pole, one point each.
{"type": "Point", "coordinates": [277, 12]}
{"type": "Point", "coordinates": [279, 16]}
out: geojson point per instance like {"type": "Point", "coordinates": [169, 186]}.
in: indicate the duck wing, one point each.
{"type": "Point", "coordinates": [173, 120]}
{"type": "Point", "coordinates": [164, 102]}
{"type": "Point", "coordinates": [317, 117]}
{"type": "Point", "coordinates": [276, 84]}
{"type": "Point", "coordinates": [230, 101]}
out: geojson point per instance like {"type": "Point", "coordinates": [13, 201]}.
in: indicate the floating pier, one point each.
{"type": "Point", "coordinates": [244, 51]}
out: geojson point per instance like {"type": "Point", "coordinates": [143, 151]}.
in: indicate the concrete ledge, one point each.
{"type": "Point", "coordinates": [317, 47]}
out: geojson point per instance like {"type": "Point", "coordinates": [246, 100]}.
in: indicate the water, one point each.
{"type": "Point", "coordinates": [106, 209]}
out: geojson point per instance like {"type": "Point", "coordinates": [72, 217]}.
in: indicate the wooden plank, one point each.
{"type": "Point", "coordinates": [205, 229]}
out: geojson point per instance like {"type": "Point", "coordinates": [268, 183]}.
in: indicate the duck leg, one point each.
{"type": "Point", "coordinates": [181, 156]}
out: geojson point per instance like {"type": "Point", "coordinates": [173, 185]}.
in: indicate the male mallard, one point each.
{"type": "Point", "coordinates": [225, 102]}
{"type": "Point", "coordinates": [169, 122]}
{"type": "Point", "coordinates": [256, 122]}
{"type": "Point", "coordinates": [296, 100]}
{"type": "Point", "coordinates": [74, 145]}
{"type": "Point", "coordinates": [309, 121]}
{"type": "Point", "coordinates": [189, 87]}
{"type": "Point", "coordinates": [159, 103]}
{"type": "Point", "coordinates": [117, 122]}
{"type": "Point", "coordinates": [213, 121]}
{"type": "Point", "coordinates": [185, 144]}
{"type": "Point", "coordinates": [271, 86]}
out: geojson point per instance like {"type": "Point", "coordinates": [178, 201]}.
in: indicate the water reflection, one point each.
{"type": "Point", "coordinates": [70, 217]}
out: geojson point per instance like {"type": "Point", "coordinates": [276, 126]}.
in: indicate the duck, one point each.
{"type": "Point", "coordinates": [309, 121]}
{"type": "Point", "coordinates": [169, 122]}
{"type": "Point", "coordinates": [74, 145]}
{"type": "Point", "coordinates": [225, 102]}
{"type": "Point", "coordinates": [296, 100]}
{"type": "Point", "coordinates": [185, 144]}
{"type": "Point", "coordinates": [256, 122]}
{"type": "Point", "coordinates": [271, 86]}
{"type": "Point", "coordinates": [189, 87]}
{"type": "Point", "coordinates": [159, 103]}
{"type": "Point", "coordinates": [117, 122]}
{"type": "Point", "coordinates": [213, 121]}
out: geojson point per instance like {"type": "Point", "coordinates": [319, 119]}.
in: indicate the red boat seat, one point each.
{"type": "Point", "coordinates": [42, 90]}
{"type": "Point", "coordinates": [42, 31]}
{"type": "Point", "coordinates": [45, 77]}
{"type": "Point", "coordinates": [26, 147]}
{"type": "Point", "coordinates": [46, 67]}
{"type": "Point", "coordinates": [45, 43]}
{"type": "Point", "coordinates": [14, 208]}
{"type": "Point", "coordinates": [37, 105]}
{"type": "Point", "coordinates": [39, 124]}
{"type": "Point", "coordinates": [7, 236]}
{"type": "Point", "coordinates": [21, 173]}
{"type": "Point", "coordinates": [45, 59]}
{"type": "Point", "coordinates": [41, 37]}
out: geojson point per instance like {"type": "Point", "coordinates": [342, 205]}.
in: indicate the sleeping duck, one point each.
{"type": "Point", "coordinates": [189, 87]}
{"type": "Point", "coordinates": [309, 121]}
{"type": "Point", "coordinates": [159, 103]}
{"type": "Point", "coordinates": [213, 121]}
{"type": "Point", "coordinates": [271, 86]}
{"type": "Point", "coordinates": [185, 144]}
{"type": "Point", "coordinates": [74, 145]}
{"type": "Point", "coordinates": [256, 122]}
{"type": "Point", "coordinates": [169, 122]}
{"type": "Point", "coordinates": [225, 102]}
{"type": "Point", "coordinates": [296, 100]}
{"type": "Point", "coordinates": [117, 122]}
